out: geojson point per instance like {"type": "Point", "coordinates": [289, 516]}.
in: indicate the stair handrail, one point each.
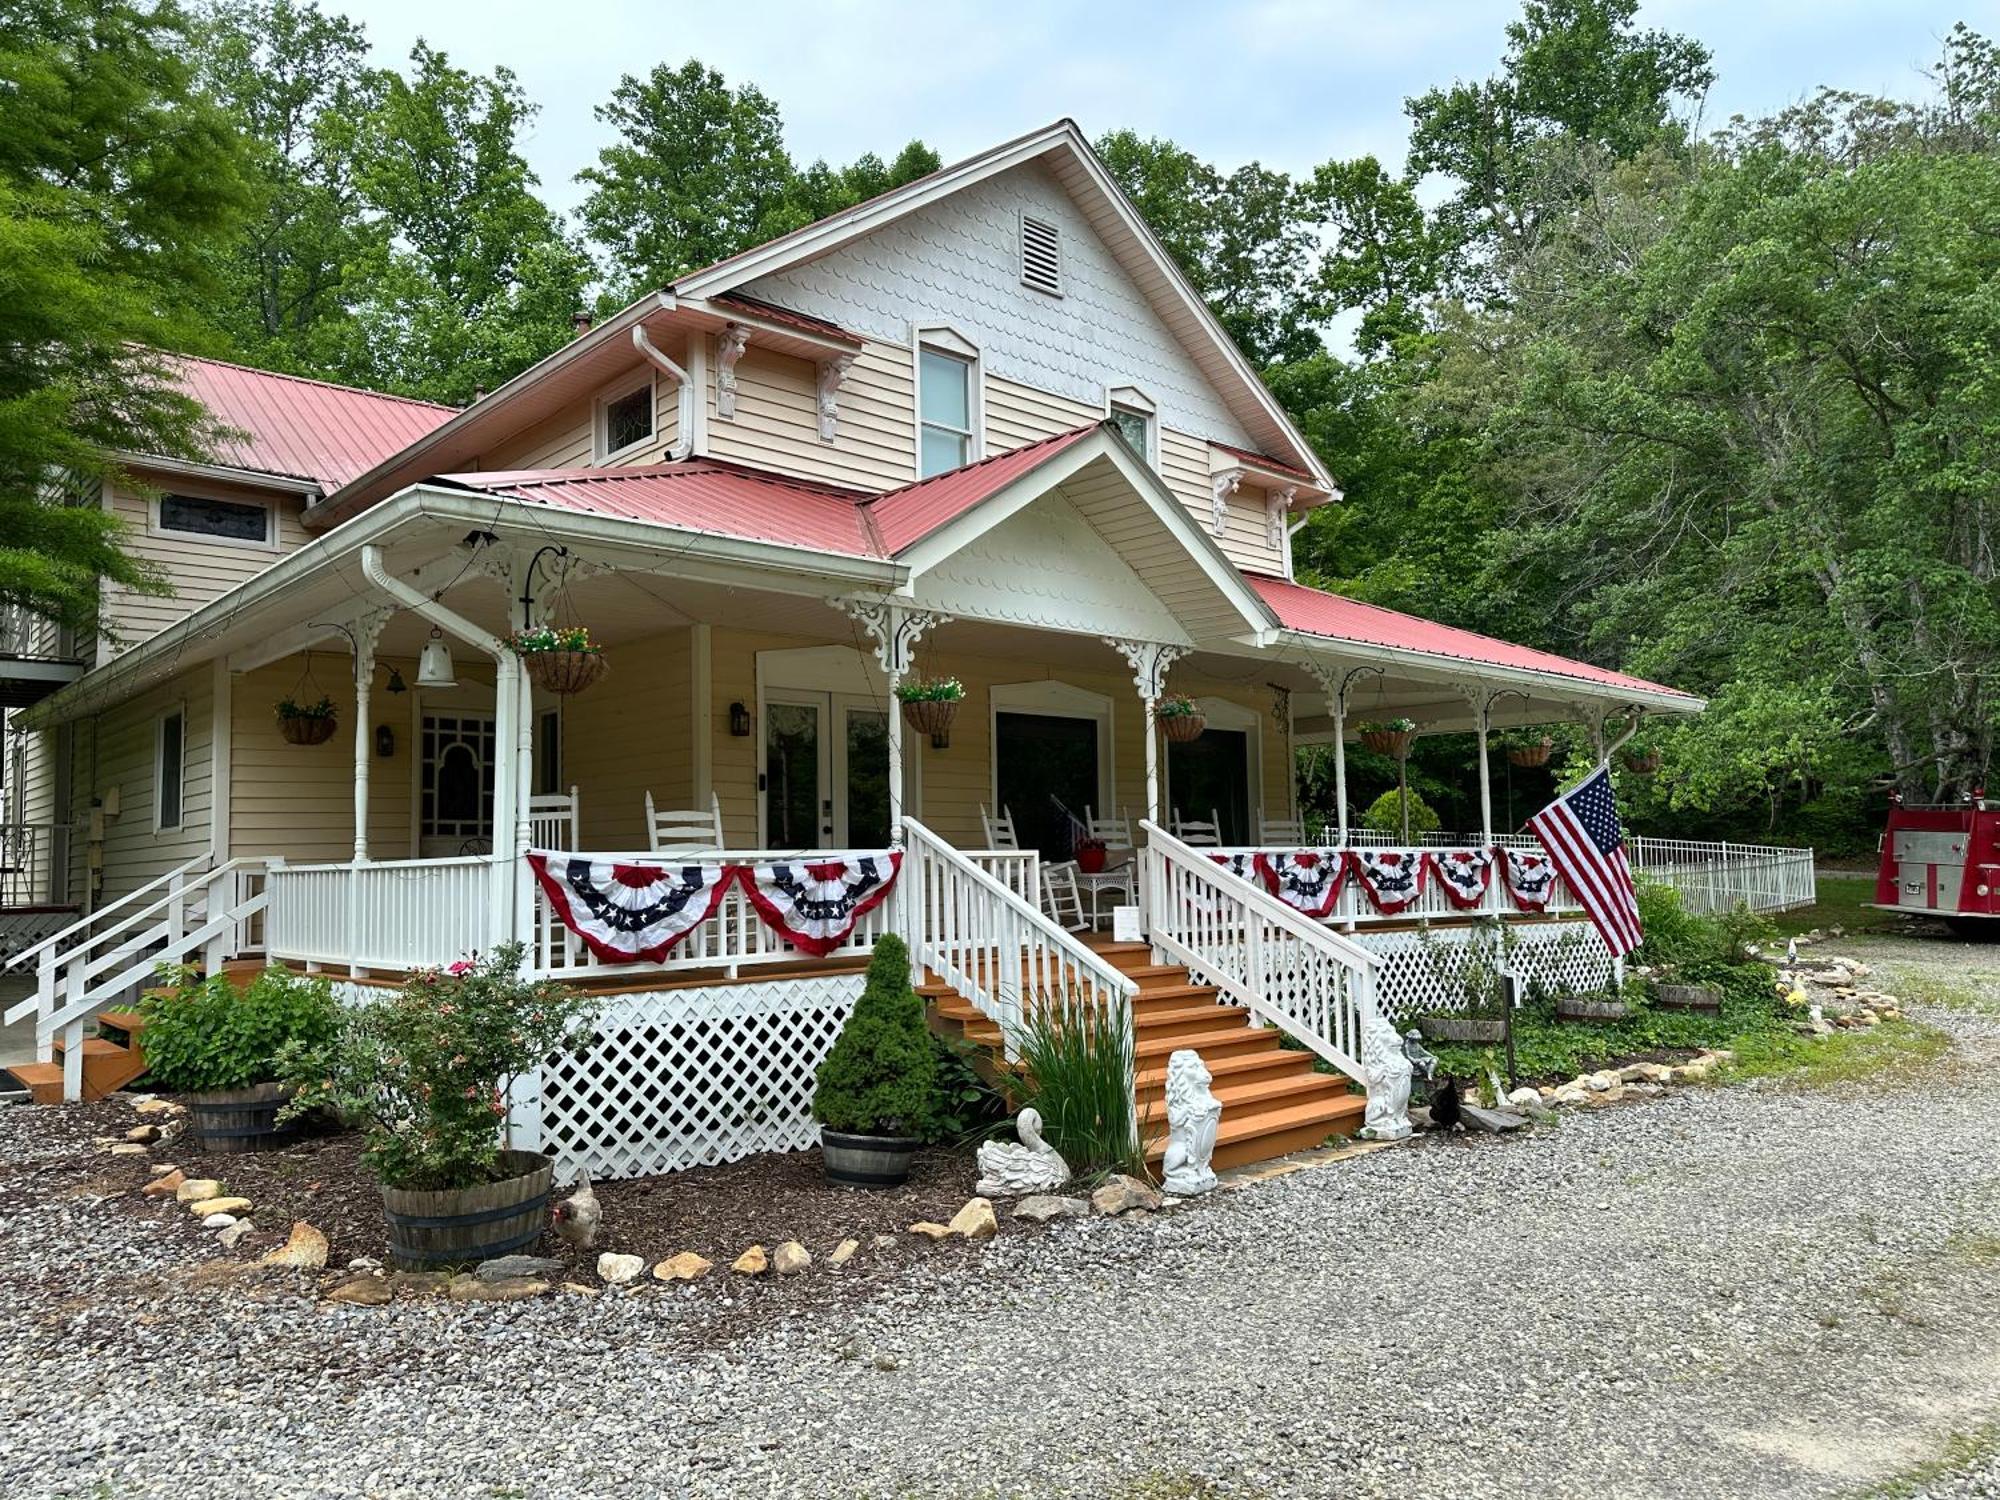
{"type": "Point", "coordinates": [1311, 982]}
{"type": "Point", "coordinates": [102, 912]}
{"type": "Point", "coordinates": [1036, 958]}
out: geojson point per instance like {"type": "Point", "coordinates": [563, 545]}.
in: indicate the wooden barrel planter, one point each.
{"type": "Point", "coordinates": [429, 1231]}
{"type": "Point", "coordinates": [1530, 755]}
{"type": "Point", "coordinates": [302, 730]}
{"type": "Point", "coordinates": [565, 672]}
{"type": "Point", "coordinates": [876, 1161]}
{"type": "Point", "coordinates": [931, 716]}
{"type": "Point", "coordinates": [1688, 996]}
{"type": "Point", "coordinates": [1184, 728]}
{"type": "Point", "coordinates": [237, 1121]}
{"type": "Point", "coordinates": [1479, 1029]}
{"type": "Point", "coordinates": [1576, 1008]}
{"type": "Point", "coordinates": [1394, 743]}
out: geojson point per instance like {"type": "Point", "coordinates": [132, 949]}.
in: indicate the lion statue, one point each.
{"type": "Point", "coordinates": [1387, 1067]}
{"type": "Point", "coordinates": [1193, 1116]}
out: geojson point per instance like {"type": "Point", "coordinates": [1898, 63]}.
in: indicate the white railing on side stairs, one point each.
{"type": "Point", "coordinates": [1290, 971]}
{"type": "Point", "coordinates": [992, 945]}
{"type": "Point", "coordinates": [96, 963]}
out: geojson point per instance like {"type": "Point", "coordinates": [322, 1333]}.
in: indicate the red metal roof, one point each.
{"type": "Point", "coordinates": [806, 322]}
{"type": "Point", "coordinates": [299, 428]}
{"type": "Point", "coordinates": [699, 494]}
{"type": "Point", "coordinates": [906, 515]}
{"type": "Point", "coordinates": [1319, 613]}
{"type": "Point", "coordinates": [1262, 460]}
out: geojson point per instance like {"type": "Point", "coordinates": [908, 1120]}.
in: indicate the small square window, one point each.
{"type": "Point", "coordinates": [1136, 427]}
{"type": "Point", "coordinates": [170, 769]}
{"type": "Point", "coordinates": [231, 520]}
{"type": "Point", "coordinates": [628, 420]}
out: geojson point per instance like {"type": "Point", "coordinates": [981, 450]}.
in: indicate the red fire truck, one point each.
{"type": "Point", "coordinates": [1943, 862]}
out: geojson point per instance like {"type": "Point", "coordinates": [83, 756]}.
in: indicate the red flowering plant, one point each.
{"type": "Point", "coordinates": [425, 1070]}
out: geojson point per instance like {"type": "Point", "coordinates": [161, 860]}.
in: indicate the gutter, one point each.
{"type": "Point", "coordinates": [257, 479]}
{"type": "Point", "coordinates": [1662, 699]}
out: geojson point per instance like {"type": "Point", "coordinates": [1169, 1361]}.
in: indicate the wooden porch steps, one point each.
{"type": "Point", "coordinates": [108, 1065]}
{"type": "Point", "coordinates": [1273, 1100]}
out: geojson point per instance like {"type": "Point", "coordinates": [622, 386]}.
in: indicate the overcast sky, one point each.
{"type": "Point", "coordinates": [1287, 82]}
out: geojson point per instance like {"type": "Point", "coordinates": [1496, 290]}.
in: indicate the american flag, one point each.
{"type": "Point", "coordinates": [1580, 830]}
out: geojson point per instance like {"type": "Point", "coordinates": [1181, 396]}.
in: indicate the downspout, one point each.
{"type": "Point", "coordinates": [684, 429]}
{"type": "Point", "coordinates": [507, 698]}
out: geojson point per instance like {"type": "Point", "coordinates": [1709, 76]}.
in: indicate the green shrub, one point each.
{"type": "Point", "coordinates": [1385, 815]}
{"type": "Point", "coordinates": [207, 1036]}
{"type": "Point", "coordinates": [425, 1069]}
{"type": "Point", "coordinates": [1076, 1068]}
{"type": "Point", "coordinates": [963, 1103]}
{"type": "Point", "coordinates": [1676, 938]}
{"type": "Point", "coordinates": [881, 1076]}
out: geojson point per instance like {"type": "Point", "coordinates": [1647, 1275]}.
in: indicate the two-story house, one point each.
{"type": "Point", "coordinates": [977, 428]}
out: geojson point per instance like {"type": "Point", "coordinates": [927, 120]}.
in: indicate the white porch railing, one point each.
{"type": "Point", "coordinates": [1288, 970]}
{"type": "Point", "coordinates": [992, 945]}
{"type": "Point", "coordinates": [1719, 877]}
{"type": "Point", "coordinates": [1352, 909]}
{"type": "Point", "coordinates": [380, 914]}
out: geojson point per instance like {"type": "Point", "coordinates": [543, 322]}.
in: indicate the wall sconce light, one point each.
{"type": "Point", "coordinates": [739, 721]}
{"type": "Point", "coordinates": [385, 741]}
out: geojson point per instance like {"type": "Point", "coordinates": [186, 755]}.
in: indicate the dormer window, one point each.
{"type": "Point", "coordinates": [624, 420]}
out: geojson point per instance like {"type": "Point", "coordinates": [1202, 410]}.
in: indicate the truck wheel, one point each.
{"type": "Point", "coordinates": [1977, 929]}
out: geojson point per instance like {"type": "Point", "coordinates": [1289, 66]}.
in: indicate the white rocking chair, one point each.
{"type": "Point", "coordinates": [1281, 833]}
{"type": "Point", "coordinates": [1062, 898]}
{"type": "Point", "coordinates": [999, 831]}
{"type": "Point", "coordinates": [685, 830]}
{"type": "Point", "coordinates": [1195, 833]}
{"type": "Point", "coordinates": [553, 820]}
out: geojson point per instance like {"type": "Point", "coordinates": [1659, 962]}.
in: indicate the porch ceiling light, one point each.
{"type": "Point", "coordinates": [434, 668]}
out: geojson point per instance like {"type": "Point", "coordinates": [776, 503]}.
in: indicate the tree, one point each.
{"type": "Point", "coordinates": [478, 280]}
{"type": "Point", "coordinates": [295, 81]}
{"type": "Point", "coordinates": [119, 183]}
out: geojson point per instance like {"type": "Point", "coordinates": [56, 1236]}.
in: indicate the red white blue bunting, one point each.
{"type": "Point", "coordinates": [1391, 878]}
{"type": "Point", "coordinates": [1463, 875]}
{"type": "Point", "coordinates": [629, 913]}
{"type": "Point", "coordinates": [1306, 880]}
{"type": "Point", "coordinates": [1236, 864]}
{"type": "Point", "coordinates": [814, 904]}
{"type": "Point", "coordinates": [1531, 879]}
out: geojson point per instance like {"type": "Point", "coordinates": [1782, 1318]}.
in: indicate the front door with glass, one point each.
{"type": "Point", "coordinates": [455, 785]}
{"type": "Point", "coordinates": [826, 771]}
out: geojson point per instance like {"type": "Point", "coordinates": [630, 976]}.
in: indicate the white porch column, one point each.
{"type": "Point", "coordinates": [1149, 661]}
{"type": "Point", "coordinates": [1336, 682]}
{"type": "Point", "coordinates": [896, 629]}
{"type": "Point", "coordinates": [367, 631]}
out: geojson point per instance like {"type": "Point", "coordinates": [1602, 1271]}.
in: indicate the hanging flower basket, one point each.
{"type": "Point", "coordinates": [306, 723]}
{"type": "Point", "coordinates": [1391, 739]}
{"type": "Point", "coordinates": [1531, 755]}
{"type": "Point", "coordinates": [560, 659]}
{"type": "Point", "coordinates": [931, 716]}
{"type": "Point", "coordinates": [1181, 720]}
{"type": "Point", "coordinates": [1642, 762]}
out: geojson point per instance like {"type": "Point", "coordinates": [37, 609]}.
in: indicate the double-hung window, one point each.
{"type": "Point", "coordinates": [624, 421]}
{"type": "Point", "coordinates": [945, 411]}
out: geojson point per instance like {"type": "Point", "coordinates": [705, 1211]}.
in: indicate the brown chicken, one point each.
{"type": "Point", "coordinates": [578, 1216]}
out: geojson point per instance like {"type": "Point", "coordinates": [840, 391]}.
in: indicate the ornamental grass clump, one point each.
{"type": "Point", "coordinates": [881, 1076]}
{"type": "Point", "coordinates": [1076, 1068]}
{"type": "Point", "coordinates": [425, 1070]}
{"type": "Point", "coordinates": [206, 1036]}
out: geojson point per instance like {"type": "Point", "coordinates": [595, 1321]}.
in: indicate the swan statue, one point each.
{"type": "Point", "coordinates": [1033, 1166]}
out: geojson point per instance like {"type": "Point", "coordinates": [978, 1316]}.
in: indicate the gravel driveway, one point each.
{"type": "Point", "coordinates": [1742, 1292]}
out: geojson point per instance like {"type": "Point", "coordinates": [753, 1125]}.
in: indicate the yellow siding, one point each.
{"type": "Point", "coordinates": [1019, 414]}
{"type": "Point", "coordinates": [198, 569]}
{"type": "Point", "coordinates": [776, 425]}
{"type": "Point", "coordinates": [1184, 464]}
{"type": "Point", "coordinates": [119, 750]}
{"type": "Point", "coordinates": [628, 736]}
{"type": "Point", "coordinates": [565, 440]}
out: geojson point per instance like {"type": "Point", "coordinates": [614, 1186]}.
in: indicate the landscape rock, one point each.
{"type": "Point", "coordinates": [1122, 1194]}
{"type": "Point", "coordinates": [687, 1266]}
{"type": "Point", "coordinates": [305, 1250]}
{"type": "Point", "coordinates": [790, 1258]}
{"type": "Point", "coordinates": [507, 1267]}
{"type": "Point", "coordinates": [614, 1269]}
{"type": "Point", "coordinates": [124, 1148]}
{"type": "Point", "coordinates": [218, 1221]}
{"type": "Point", "coordinates": [235, 1234]}
{"type": "Point", "coordinates": [1046, 1206]}
{"type": "Point", "coordinates": [143, 1133]}
{"type": "Point", "coordinates": [843, 1252]}
{"type": "Point", "coordinates": [194, 1189]}
{"type": "Point", "coordinates": [364, 1263]}
{"type": "Point", "coordinates": [422, 1282]}
{"type": "Point", "coordinates": [469, 1288]}
{"type": "Point", "coordinates": [362, 1291]}
{"type": "Point", "coordinates": [975, 1221]}
{"type": "Point", "coordinates": [752, 1262]}
{"type": "Point", "coordinates": [153, 1106]}
{"type": "Point", "coordinates": [164, 1186]}
{"type": "Point", "coordinates": [207, 1206]}
{"type": "Point", "coordinates": [929, 1230]}
{"type": "Point", "coordinates": [581, 1290]}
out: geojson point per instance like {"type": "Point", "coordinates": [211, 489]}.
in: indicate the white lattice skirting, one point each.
{"type": "Point", "coordinates": [1423, 979]}
{"type": "Point", "coordinates": [690, 1078]}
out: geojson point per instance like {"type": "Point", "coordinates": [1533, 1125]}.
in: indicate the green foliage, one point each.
{"type": "Point", "coordinates": [288, 708]}
{"type": "Point", "coordinates": [964, 1104]}
{"type": "Point", "coordinates": [1175, 706]}
{"type": "Point", "coordinates": [554, 638]}
{"type": "Point", "coordinates": [880, 1078]}
{"type": "Point", "coordinates": [118, 181]}
{"type": "Point", "coordinates": [426, 1068]}
{"type": "Point", "coordinates": [1077, 1069]}
{"type": "Point", "coordinates": [1688, 943]}
{"type": "Point", "coordinates": [206, 1036]}
{"type": "Point", "coordinates": [1385, 814]}
{"type": "Point", "coordinates": [930, 690]}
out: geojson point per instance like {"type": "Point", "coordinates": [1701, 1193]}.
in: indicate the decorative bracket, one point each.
{"type": "Point", "coordinates": [896, 629]}
{"type": "Point", "coordinates": [1277, 506]}
{"type": "Point", "coordinates": [362, 631]}
{"type": "Point", "coordinates": [1220, 488]}
{"type": "Point", "coordinates": [1149, 661]}
{"type": "Point", "coordinates": [729, 347]}
{"type": "Point", "coordinates": [1337, 682]}
{"type": "Point", "coordinates": [832, 373]}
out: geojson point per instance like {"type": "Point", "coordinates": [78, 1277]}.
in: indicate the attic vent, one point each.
{"type": "Point", "coordinates": [1041, 255]}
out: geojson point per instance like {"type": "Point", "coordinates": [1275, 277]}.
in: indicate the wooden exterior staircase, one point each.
{"type": "Point", "coordinates": [1273, 1100]}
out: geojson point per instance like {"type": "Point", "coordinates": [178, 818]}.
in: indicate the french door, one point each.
{"type": "Point", "coordinates": [826, 771]}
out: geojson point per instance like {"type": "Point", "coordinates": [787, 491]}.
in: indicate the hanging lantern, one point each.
{"type": "Point", "coordinates": [434, 669]}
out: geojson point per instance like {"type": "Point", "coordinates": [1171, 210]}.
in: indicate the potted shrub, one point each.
{"type": "Point", "coordinates": [307, 723]}
{"type": "Point", "coordinates": [1180, 718]}
{"type": "Point", "coordinates": [1391, 738]}
{"type": "Point", "coordinates": [425, 1072]}
{"type": "Point", "coordinates": [560, 658]}
{"type": "Point", "coordinates": [1091, 854]}
{"type": "Point", "coordinates": [876, 1089]}
{"type": "Point", "coordinates": [930, 704]}
{"type": "Point", "coordinates": [220, 1046]}
{"type": "Point", "coordinates": [1529, 750]}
